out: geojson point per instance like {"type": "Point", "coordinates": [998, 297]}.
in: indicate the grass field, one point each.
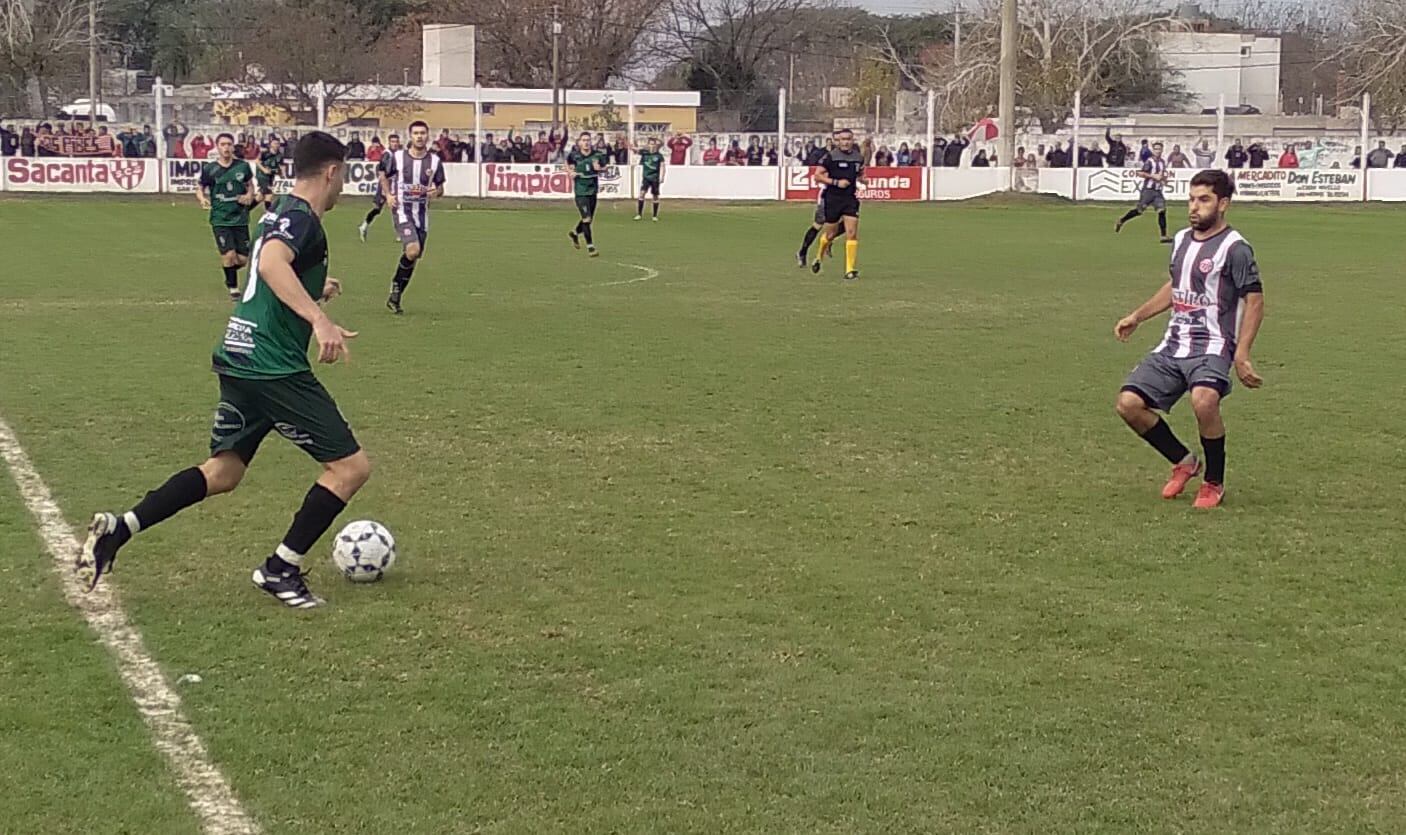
{"type": "Point", "coordinates": [733, 549]}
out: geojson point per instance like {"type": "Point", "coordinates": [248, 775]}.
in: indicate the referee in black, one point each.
{"type": "Point", "coordinates": [841, 169]}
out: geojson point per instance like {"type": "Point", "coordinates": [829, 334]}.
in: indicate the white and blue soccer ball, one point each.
{"type": "Point", "coordinates": [364, 551]}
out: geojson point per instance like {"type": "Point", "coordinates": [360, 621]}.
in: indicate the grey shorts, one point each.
{"type": "Point", "coordinates": [1152, 198]}
{"type": "Point", "coordinates": [1161, 380]}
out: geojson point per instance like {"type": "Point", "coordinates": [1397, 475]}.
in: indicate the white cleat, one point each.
{"type": "Point", "coordinates": [362, 230]}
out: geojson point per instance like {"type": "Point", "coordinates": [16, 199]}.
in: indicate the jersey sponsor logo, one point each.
{"type": "Point", "coordinates": [239, 335]}
{"type": "Point", "coordinates": [1185, 301]}
{"type": "Point", "coordinates": [228, 419]}
{"type": "Point", "coordinates": [114, 174]}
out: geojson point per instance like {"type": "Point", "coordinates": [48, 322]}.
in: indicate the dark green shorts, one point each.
{"type": "Point", "coordinates": [232, 239]}
{"type": "Point", "coordinates": [586, 205]}
{"type": "Point", "coordinates": [297, 407]}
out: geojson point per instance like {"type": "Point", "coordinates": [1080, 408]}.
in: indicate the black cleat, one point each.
{"type": "Point", "coordinates": [290, 589]}
{"type": "Point", "coordinates": [852, 275]}
{"type": "Point", "coordinates": [575, 239]}
{"type": "Point", "coordinates": [100, 548]}
{"type": "Point", "coordinates": [1167, 240]}
{"type": "Point", "coordinates": [815, 265]}
{"type": "Point", "coordinates": [393, 304]}
{"type": "Point", "coordinates": [1118, 227]}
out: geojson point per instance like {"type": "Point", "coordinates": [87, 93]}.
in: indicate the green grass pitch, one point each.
{"type": "Point", "coordinates": [731, 549]}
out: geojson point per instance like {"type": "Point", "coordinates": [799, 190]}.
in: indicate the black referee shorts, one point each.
{"type": "Point", "coordinates": [839, 204]}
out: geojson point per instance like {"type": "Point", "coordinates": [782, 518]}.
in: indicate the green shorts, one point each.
{"type": "Point", "coordinates": [232, 239]}
{"type": "Point", "coordinates": [586, 205]}
{"type": "Point", "coordinates": [297, 407]}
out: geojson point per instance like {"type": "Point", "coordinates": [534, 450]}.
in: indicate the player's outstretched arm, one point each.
{"type": "Point", "coordinates": [1160, 302]}
{"type": "Point", "coordinates": [1249, 329]}
{"type": "Point", "coordinates": [276, 270]}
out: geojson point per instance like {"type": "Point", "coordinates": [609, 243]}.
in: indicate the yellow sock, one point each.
{"type": "Point", "coordinates": [851, 255]}
{"type": "Point", "coordinates": [824, 247]}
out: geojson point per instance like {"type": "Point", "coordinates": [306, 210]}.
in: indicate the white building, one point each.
{"type": "Point", "coordinates": [1243, 67]}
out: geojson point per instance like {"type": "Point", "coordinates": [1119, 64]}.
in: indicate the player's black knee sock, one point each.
{"type": "Point", "coordinates": [1132, 213]}
{"type": "Point", "coordinates": [586, 232]}
{"type": "Point", "coordinates": [403, 271]}
{"type": "Point", "coordinates": [371, 215]}
{"type": "Point", "coordinates": [1161, 438]}
{"type": "Point", "coordinates": [1162, 222]}
{"type": "Point", "coordinates": [580, 226]}
{"type": "Point", "coordinates": [1215, 459]}
{"type": "Point", "coordinates": [808, 240]}
{"type": "Point", "coordinates": [319, 510]}
{"type": "Point", "coordinates": [656, 208]}
{"type": "Point", "coordinates": [639, 207]}
{"type": "Point", "coordinates": [231, 277]}
{"type": "Point", "coordinates": [180, 491]}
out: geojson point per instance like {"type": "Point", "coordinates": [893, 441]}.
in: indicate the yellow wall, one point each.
{"type": "Point", "coordinates": [457, 116]}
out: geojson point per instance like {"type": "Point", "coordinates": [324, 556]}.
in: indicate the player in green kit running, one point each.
{"type": "Point", "coordinates": [227, 190]}
{"type": "Point", "coordinates": [269, 163]}
{"type": "Point", "coordinates": [267, 385]}
{"type": "Point", "coordinates": [653, 164]}
{"type": "Point", "coordinates": [585, 166]}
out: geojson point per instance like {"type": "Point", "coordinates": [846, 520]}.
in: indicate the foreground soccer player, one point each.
{"type": "Point", "coordinates": [585, 165]}
{"type": "Point", "coordinates": [652, 177]}
{"type": "Point", "coordinates": [841, 169]}
{"type": "Point", "coordinates": [266, 384]}
{"type": "Point", "coordinates": [227, 190]}
{"type": "Point", "coordinates": [1154, 176]}
{"type": "Point", "coordinates": [1217, 306]}
{"type": "Point", "coordinates": [379, 201]}
{"type": "Point", "coordinates": [409, 180]}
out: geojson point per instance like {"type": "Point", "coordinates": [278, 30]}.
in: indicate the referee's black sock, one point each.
{"type": "Point", "coordinates": [1161, 438]}
{"type": "Point", "coordinates": [231, 277]}
{"type": "Point", "coordinates": [808, 240]}
{"type": "Point", "coordinates": [403, 271]}
{"type": "Point", "coordinates": [1215, 459]}
{"type": "Point", "coordinates": [1132, 213]}
{"type": "Point", "coordinates": [1162, 222]}
{"type": "Point", "coordinates": [586, 232]}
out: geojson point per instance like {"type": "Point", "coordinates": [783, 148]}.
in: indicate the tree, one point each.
{"type": "Point", "coordinates": [36, 38]}
{"type": "Point", "coordinates": [1373, 58]}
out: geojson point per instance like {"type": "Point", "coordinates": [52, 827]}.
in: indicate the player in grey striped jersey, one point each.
{"type": "Point", "coordinates": [409, 180]}
{"type": "Point", "coordinates": [1217, 306]}
{"type": "Point", "coordinates": [1151, 196]}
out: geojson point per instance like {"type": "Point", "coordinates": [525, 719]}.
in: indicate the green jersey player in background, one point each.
{"type": "Point", "coordinates": [270, 162]}
{"type": "Point", "coordinates": [585, 165]}
{"type": "Point", "coordinates": [227, 190]}
{"type": "Point", "coordinates": [653, 164]}
{"type": "Point", "coordinates": [266, 385]}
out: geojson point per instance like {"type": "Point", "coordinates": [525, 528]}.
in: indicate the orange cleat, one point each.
{"type": "Point", "coordinates": [1210, 495]}
{"type": "Point", "coordinates": [1181, 474]}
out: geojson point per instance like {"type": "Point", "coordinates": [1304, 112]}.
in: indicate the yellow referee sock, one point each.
{"type": "Point", "coordinates": [851, 255]}
{"type": "Point", "coordinates": [824, 247]}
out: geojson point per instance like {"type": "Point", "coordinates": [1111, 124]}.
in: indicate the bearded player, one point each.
{"type": "Point", "coordinates": [413, 176]}
{"type": "Point", "coordinates": [1217, 306]}
{"type": "Point", "coordinates": [266, 385]}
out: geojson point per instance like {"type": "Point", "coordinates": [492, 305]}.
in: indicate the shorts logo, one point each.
{"type": "Point", "coordinates": [1206, 266]}
{"type": "Point", "coordinates": [228, 420]}
{"type": "Point", "coordinates": [293, 433]}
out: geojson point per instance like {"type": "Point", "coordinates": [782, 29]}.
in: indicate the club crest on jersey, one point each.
{"type": "Point", "coordinates": [1206, 265]}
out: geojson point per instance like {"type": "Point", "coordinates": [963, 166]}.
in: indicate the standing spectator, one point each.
{"type": "Point", "coordinates": [1356, 158]}
{"type": "Point", "coordinates": [904, 156]}
{"type": "Point", "coordinates": [470, 149]}
{"type": "Point", "coordinates": [9, 141]}
{"type": "Point", "coordinates": [1117, 149]}
{"type": "Point", "coordinates": [1401, 158]}
{"type": "Point", "coordinates": [27, 142]}
{"type": "Point", "coordinates": [489, 151]}
{"type": "Point", "coordinates": [505, 151]}
{"type": "Point", "coordinates": [375, 150]}
{"type": "Point", "coordinates": [735, 155]}
{"type": "Point", "coordinates": [42, 145]}
{"type": "Point", "coordinates": [1039, 153]}
{"type": "Point", "coordinates": [867, 149]}
{"type": "Point", "coordinates": [1236, 156]}
{"type": "Point", "coordinates": [601, 145]}
{"type": "Point", "coordinates": [541, 149]}
{"type": "Point", "coordinates": [1096, 157]}
{"type": "Point", "coordinates": [200, 147]}
{"type": "Point", "coordinates": [622, 151]}
{"type": "Point", "coordinates": [920, 155]}
{"type": "Point", "coordinates": [754, 151]}
{"type": "Point", "coordinates": [355, 149]}
{"type": "Point", "coordinates": [678, 149]}
{"type": "Point", "coordinates": [712, 156]}
{"type": "Point", "coordinates": [937, 158]}
{"type": "Point", "coordinates": [883, 158]}
{"type": "Point", "coordinates": [1020, 157]}
{"type": "Point", "coordinates": [1258, 155]}
{"type": "Point", "coordinates": [1032, 162]}
{"type": "Point", "coordinates": [131, 142]}
{"type": "Point", "coordinates": [814, 153]}
{"type": "Point", "coordinates": [1144, 153]}
{"type": "Point", "coordinates": [1380, 157]}
{"type": "Point", "coordinates": [522, 152]}
{"type": "Point", "coordinates": [980, 160]}
{"type": "Point", "coordinates": [443, 145]}
{"type": "Point", "coordinates": [1290, 158]}
{"type": "Point", "coordinates": [1205, 157]}
{"type": "Point", "coordinates": [251, 148]}
{"type": "Point", "coordinates": [108, 141]}
{"type": "Point", "coordinates": [772, 156]}
{"type": "Point", "coordinates": [952, 155]}
{"type": "Point", "coordinates": [1178, 158]}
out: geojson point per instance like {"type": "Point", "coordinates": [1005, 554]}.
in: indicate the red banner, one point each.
{"type": "Point", "coordinates": [87, 145]}
{"type": "Point", "coordinates": [878, 184]}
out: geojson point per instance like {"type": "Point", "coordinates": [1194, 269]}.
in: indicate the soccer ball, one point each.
{"type": "Point", "coordinates": [364, 551]}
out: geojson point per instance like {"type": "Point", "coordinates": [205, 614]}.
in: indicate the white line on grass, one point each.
{"type": "Point", "coordinates": [649, 272]}
{"type": "Point", "coordinates": [206, 788]}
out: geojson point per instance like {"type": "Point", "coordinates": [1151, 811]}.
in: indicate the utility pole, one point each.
{"type": "Point", "coordinates": [957, 36]}
{"type": "Point", "coordinates": [1007, 89]}
{"type": "Point", "coordinates": [791, 75]}
{"type": "Point", "coordinates": [93, 64]}
{"type": "Point", "coordinates": [556, 67]}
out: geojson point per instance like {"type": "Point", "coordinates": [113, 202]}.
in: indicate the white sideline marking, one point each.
{"type": "Point", "coordinates": [207, 790]}
{"type": "Point", "coordinates": [649, 272]}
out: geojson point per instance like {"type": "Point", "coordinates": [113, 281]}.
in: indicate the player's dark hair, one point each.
{"type": "Point", "coordinates": [315, 151]}
{"type": "Point", "coordinates": [228, 136]}
{"type": "Point", "coordinates": [1216, 180]}
{"type": "Point", "coordinates": [418, 123]}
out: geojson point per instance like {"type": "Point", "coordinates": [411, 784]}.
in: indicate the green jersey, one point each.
{"type": "Point", "coordinates": [226, 186]}
{"type": "Point", "coordinates": [653, 163]}
{"type": "Point", "coordinates": [587, 179]}
{"type": "Point", "coordinates": [265, 339]}
{"type": "Point", "coordinates": [272, 161]}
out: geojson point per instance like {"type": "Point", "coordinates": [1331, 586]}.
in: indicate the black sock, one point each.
{"type": "Point", "coordinates": [586, 231]}
{"type": "Point", "coordinates": [231, 277]}
{"type": "Point", "coordinates": [319, 511]}
{"type": "Point", "coordinates": [639, 207]}
{"type": "Point", "coordinates": [1162, 222]}
{"type": "Point", "coordinates": [1161, 438]}
{"type": "Point", "coordinates": [656, 208]}
{"type": "Point", "coordinates": [371, 215]}
{"type": "Point", "coordinates": [1132, 213]}
{"type": "Point", "coordinates": [1215, 459]}
{"type": "Point", "coordinates": [180, 491]}
{"type": "Point", "coordinates": [579, 226]}
{"type": "Point", "coordinates": [403, 271]}
{"type": "Point", "coordinates": [809, 239]}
